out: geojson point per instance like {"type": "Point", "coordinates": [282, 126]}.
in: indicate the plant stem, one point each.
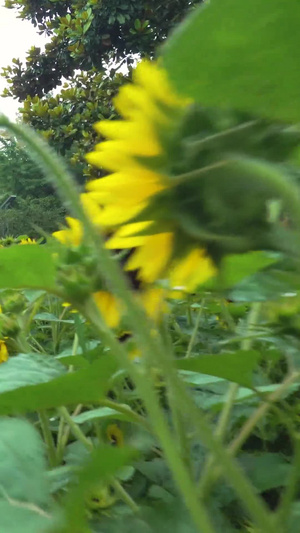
{"type": "Point", "coordinates": [195, 331]}
{"type": "Point", "coordinates": [124, 495]}
{"type": "Point", "coordinates": [48, 438]}
{"type": "Point", "coordinates": [126, 410]}
{"type": "Point", "coordinates": [260, 412]}
{"type": "Point", "coordinates": [75, 428]}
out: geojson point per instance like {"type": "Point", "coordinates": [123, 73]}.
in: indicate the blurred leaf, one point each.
{"type": "Point", "coordinates": [238, 266]}
{"type": "Point", "coordinates": [77, 361]}
{"type": "Point", "coordinates": [28, 369]}
{"type": "Point", "coordinates": [16, 519]}
{"type": "Point", "coordinates": [237, 366]}
{"type": "Point", "coordinates": [49, 317]}
{"type": "Point", "coordinates": [267, 470]}
{"type": "Point", "coordinates": [22, 468]}
{"type": "Point", "coordinates": [264, 286]}
{"type": "Point", "coordinates": [83, 386]}
{"type": "Point", "coordinates": [30, 266]}
{"type": "Point", "coordinates": [101, 412]}
{"type": "Point", "coordinates": [240, 55]}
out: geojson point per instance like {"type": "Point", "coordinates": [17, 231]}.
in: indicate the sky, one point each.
{"type": "Point", "coordinates": [16, 37]}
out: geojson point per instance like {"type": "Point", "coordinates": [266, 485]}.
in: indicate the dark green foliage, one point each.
{"type": "Point", "coordinates": [66, 119]}
{"type": "Point", "coordinates": [36, 207]}
{"type": "Point", "coordinates": [18, 174]}
{"type": "Point", "coordinates": [29, 216]}
{"type": "Point", "coordinates": [88, 33]}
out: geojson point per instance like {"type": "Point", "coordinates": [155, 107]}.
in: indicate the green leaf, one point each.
{"type": "Point", "coordinates": [101, 412]}
{"type": "Point", "coordinates": [16, 519]}
{"type": "Point", "coordinates": [28, 369]}
{"type": "Point", "coordinates": [25, 504]}
{"type": "Point", "coordinates": [83, 386]}
{"type": "Point", "coordinates": [22, 468]}
{"type": "Point", "coordinates": [266, 471]}
{"type": "Point", "coordinates": [27, 266]}
{"type": "Point", "coordinates": [239, 55]}
{"type": "Point", "coordinates": [237, 366]}
{"type": "Point", "coordinates": [239, 266]}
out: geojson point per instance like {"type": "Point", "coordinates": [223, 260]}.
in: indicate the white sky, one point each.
{"type": "Point", "coordinates": [16, 37]}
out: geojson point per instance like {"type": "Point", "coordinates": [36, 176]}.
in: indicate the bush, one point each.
{"type": "Point", "coordinates": [32, 217]}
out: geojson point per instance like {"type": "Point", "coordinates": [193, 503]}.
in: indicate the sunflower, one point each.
{"type": "Point", "coordinates": [137, 196]}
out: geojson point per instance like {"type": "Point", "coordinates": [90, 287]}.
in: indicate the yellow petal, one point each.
{"type": "Point", "coordinates": [152, 257]}
{"type": "Point", "coordinates": [194, 269]}
{"type": "Point", "coordinates": [136, 137]}
{"type": "Point", "coordinates": [71, 235]}
{"type": "Point", "coordinates": [153, 300]}
{"type": "Point", "coordinates": [126, 236]}
{"type": "Point", "coordinates": [155, 81]}
{"type": "Point", "coordinates": [108, 307]}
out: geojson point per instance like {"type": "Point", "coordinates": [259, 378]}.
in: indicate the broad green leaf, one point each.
{"type": "Point", "coordinates": [28, 369]}
{"type": "Point", "coordinates": [28, 266]}
{"type": "Point", "coordinates": [265, 285]}
{"type": "Point", "coordinates": [239, 54]}
{"type": "Point", "coordinates": [22, 467]}
{"type": "Point", "coordinates": [82, 386]}
{"type": "Point", "coordinates": [237, 366]}
{"type": "Point", "coordinates": [16, 518]}
{"type": "Point", "coordinates": [239, 266]}
{"type": "Point", "coordinates": [25, 504]}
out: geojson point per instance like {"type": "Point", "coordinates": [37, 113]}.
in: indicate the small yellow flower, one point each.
{"type": "Point", "coordinates": [3, 352]}
{"type": "Point", "coordinates": [138, 152]}
{"type": "Point", "coordinates": [115, 435]}
{"type": "Point", "coordinates": [28, 241]}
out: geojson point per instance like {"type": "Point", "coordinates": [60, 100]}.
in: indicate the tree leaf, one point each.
{"type": "Point", "coordinates": [82, 386]}
{"type": "Point", "coordinates": [236, 366]}
{"type": "Point", "coordinates": [28, 369]}
{"type": "Point", "coordinates": [28, 266]}
{"type": "Point", "coordinates": [234, 54]}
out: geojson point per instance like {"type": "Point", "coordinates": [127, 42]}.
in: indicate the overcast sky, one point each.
{"type": "Point", "coordinates": [16, 37]}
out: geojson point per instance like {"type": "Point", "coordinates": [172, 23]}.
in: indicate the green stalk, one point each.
{"type": "Point", "coordinates": [126, 410]}
{"type": "Point", "coordinates": [48, 438]}
{"type": "Point", "coordinates": [64, 413]}
{"type": "Point", "coordinates": [195, 331]}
